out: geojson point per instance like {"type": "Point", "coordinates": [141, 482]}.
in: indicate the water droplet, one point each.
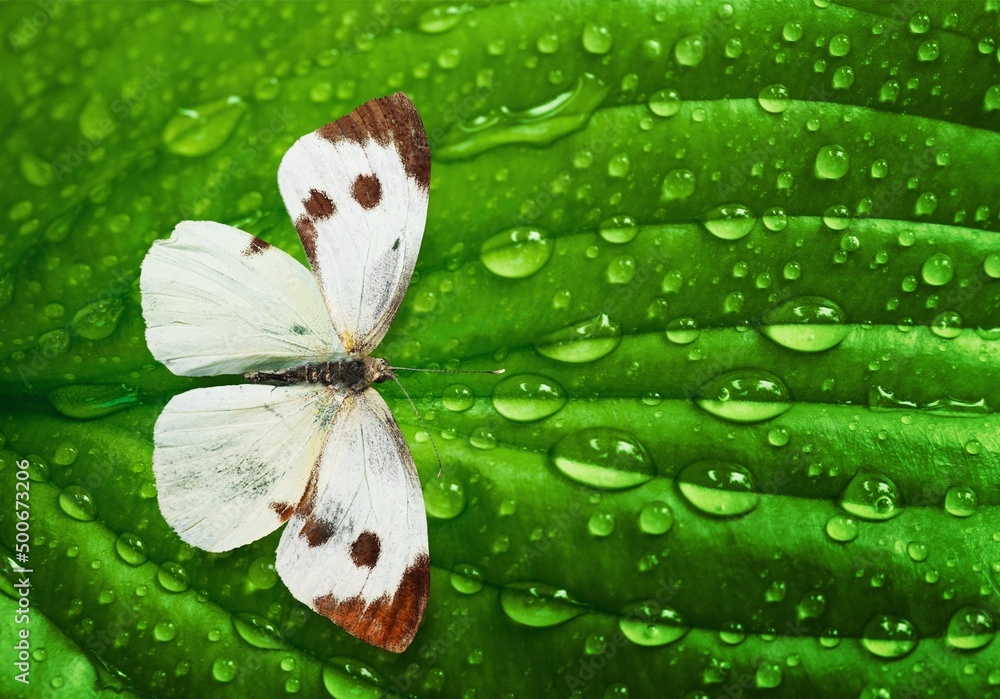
{"type": "Point", "coordinates": [257, 631]}
{"type": "Point", "coordinates": [587, 341]}
{"type": "Point", "coordinates": [842, 528]}
{"type": "Point", "coordinates": [528, 397]}
{"type": "Point", "coordinates": [442, 18]}
{"type": "Point", "coordinates": [960, 501]}
{"type": "Point", "coordinates": [467, 579]}
{"type": "Point", "coordinates": [266, 88]}
{"type": "Point", "coordinates": [690, 50]}
{"type": "Point", "coordinates": [837, 217]}
{"type": "Point", "coordinates": [603, 457]}
{"type": "Point", "coordinates": [656, 518]}
{"type": "Point", "coordinates": [947, 324]}
{"type": "Point", "coordinates": [516, 253]}
{"type": "Point", "coordinates": [917, 551]}
{"type": "Point", "coordinates": [200, 130]}
{"type": "Point", "coordinates": [792, 31]}
{"type": "Point", "coordinates": [131, 549]}
{"type": "Point", "coordinates": [173, 578]}
{"type": "Point", "coordinates": [768, 675]}
{"type": "Point", "coordinates": [683, 330]}
{"type": "Point", "coordinates": [991, 101]}
{"type": "Point", "coordinates": [601, 524]}
{"type": "Point", "coordinates": [811, 605]}
{"type": "Point", "coordinates": [85, 402]}
{"type": "Point", "coordinates": [929, 50]}
{"type": "Point", "coordinates": [224, 669]}
{"type": "Point", "coordinates": [775, 219]}
{"type": "Point", "coordinates": [843, 77]}
{"type": "Point", "coordinates": [165, 631]}
{"type": "Point", "coordinates": [618, 229]}
{"type": "Point", "coordinates": [774, 98]}
{"type": "Point", "coordinates": [458, 398]}
{"type": "Point", "coordinates": [744, 395]}
{"type": "Point", "coordinates": [347, 678]}
{"type": "Point", "coordinates": [65, 454]}
{"type": "Point", "coordinates": [538, 605]}
{"type": "Point", "coordinates": [620, 270]}
{"type": "Point", "coordinates": [920, 23]}
{"type": "Point", "coordinates": [871, 496]}
{"type": "Point", "coordinates": [539, 125]}
{"type": "Point", "coordinates": [719, 488]}
{"type": "Point", "coordinates": [444, 497]}
{"type": "Point", "coordinates": [618, 165]}
{"type": "Point", "coordinates": [926, 204]}
{"type": "Point", "coordinates": [778, 436]}
{"type": "Point", "coordinates": [36, 171]}
{"type": "Point", "coordinates": [679, 183]}
{"type": "Point", "coordinates": [840, 45]}
{"type": "Point", "coordinates": [651, 624]}
{"type": "Point", "coordinates": [54, 343]}
{"type": "Point", "coordinates": [596, 39]}
{"type": "Point", "coordinates": [732, 633]}
{"type": "Point", "coordinates": [78, 503]}
{"type": "Point", "coordinates": [971, 629]}
{"type": "Point", "coordinates": [938, 269]}
{"type": "Point", "coordinates": [832, 162]}
{"type": "Point", "coordinates": [806, 324]}
{"type": "Point", "coordinates": [97, 320]}
{"type": "Point", "coordinates": [665, 102]}
{"type": "Point", "coordinates": [729, 221]}
{"type": "Point", "coordinates": [973, 447]}
{"type": "Point", "coordinates": [261, 573]}
{"type": "Point", "coordinates": [991, 265]}
{"type": "Point", "coordinates": [483, 438]}
{"type": "Point", "coordinates": [889, 636]}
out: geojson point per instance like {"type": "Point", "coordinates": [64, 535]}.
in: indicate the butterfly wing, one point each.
{"type": "Point", "coordinates": [356, 548]}
{"type": "Point", "coordinates": [357, 190]}
{"type": "Point", "coordinates": [217, 300]}
{"type": "Point", "coordinates": [232, 462]}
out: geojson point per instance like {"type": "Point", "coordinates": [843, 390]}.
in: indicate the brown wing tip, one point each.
{"type": "Point", "coordinates": [388, 623]}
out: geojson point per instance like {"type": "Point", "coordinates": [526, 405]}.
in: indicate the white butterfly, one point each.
{"type": "Point", "coordinates": [307, 440]}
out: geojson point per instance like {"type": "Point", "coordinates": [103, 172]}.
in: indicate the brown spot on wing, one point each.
{"type": "Point", "coordinates": [307, 234]}
{"type": "Point", "coordinates": [316, 531]}
{"type": "Point", "coordinates": [282, 509]}
{"type": "Point", "coordinates": [256, 247]}
{"type": "Point", "coordinates": [319, 205]}
{"type": "Point", "coordinates": [389, 623]}
{"type": "Point", "coordinates": [365, 550]}
{"type": "Point", "coordinates": [367, 191]}
{"type": "Point", "coordinates": [386, 120]}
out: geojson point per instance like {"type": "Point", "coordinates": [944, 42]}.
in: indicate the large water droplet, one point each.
{"type": "Point", "coordinates": [540, 125]}
{"type": "Point", "coordinates": [744, 395]}
{"type": "Point", "coordinates": [618, 229]}
{"type": "Point", "coordinates": [651, 624]}
{"type": "Point", "coordinates": [516, 253]}
{"type": "Point", "coordinates": [719, 488]}
{"type": "Point", "coordinates": [347, 678]}
{"type": "Point", "coordinates": [938, 269]}
{"type": "Point", "coordinates": [85, 402]}
{"type": "Point", "coordinates": [538, 604]}
{"type": "Point", "coordinates": [603, 457]}
{"type": "Point", "coordinates": [97, 320]}
{"type": "Point", "coordinates": [444, 497]}
{"type": "Point", "coordinates": [774, 98]}
{"type": "Point", "coordinates": [656, 518]}
{"type": "Point", "coordinates": [173, 578]}
{"type": "Point", "coordinates": [528, 397]}
{"type": "Point", "coordinates": [224, 669]}
{"type": "Point", "coordinates": [971, 629]}
{"type": "Point", "coordinates": [665, 102]}
{"type": "Point", "coordinates": [832, 162]}
{"type": "Point", "coordinates": [596, 39]}
{"type": "Point", "coordinates": [871, 496]}
{"type": "Point", "coordinates": [889, 636]}
{"type": "Point", "coordinates": [683, 330]}
{"type": "Point", "coordinates": [78, 503]}
{"type": "Point", "coordinates": [131, 549]}
{"type": "Point", "coordinates": [960, 501]}
{"type": "Point", "coordinates": [257, 631]}
{"type": "Point", "coordinates": [587, 341]}
{"type": "Point", "coordinates": [769, 675]}
{"type": "Point", "coordinates": [690, 50]}
{"type": "Point", "coordinates": [806, 324]}
{"type": "Point", "coordinates": [442, 18]}
{"type": "Point", "coordinates": [729, 221]}
{"type": "Point", "coordinates": [200, 130]}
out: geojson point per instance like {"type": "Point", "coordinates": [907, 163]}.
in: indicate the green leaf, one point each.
{"type": "Point", "coordinates": [739, 261]}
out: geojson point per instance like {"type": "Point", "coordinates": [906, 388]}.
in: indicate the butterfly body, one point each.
{"type": "Point", "coordinates": [306, 443]}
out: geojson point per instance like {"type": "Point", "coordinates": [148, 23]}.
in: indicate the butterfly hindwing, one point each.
{"type": "Point", "coordinates": [356, 549]}
{"type": "Point", "coordinates": [357, 190]}
{"type": "Point", "coordinates": [217, 300]}
{"type": "Point", "coordinates": [232, 462]}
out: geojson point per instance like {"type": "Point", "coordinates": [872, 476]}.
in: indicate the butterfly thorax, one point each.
{"type": "Point", "coordinates": [355, 373]}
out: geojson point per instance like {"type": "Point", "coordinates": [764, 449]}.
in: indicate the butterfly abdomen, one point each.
{"type": "Point", "coordinates": [354, 373]}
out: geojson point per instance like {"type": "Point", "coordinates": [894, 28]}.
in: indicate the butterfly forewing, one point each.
{"type": "Point", "coordinates": [217, 300]}
{"type": "Point", "coordinates": [232, 462]}
{"type": "Point", "coordinates": [357, 190]}
{"type": "Point", "coordinates": [356, 548]}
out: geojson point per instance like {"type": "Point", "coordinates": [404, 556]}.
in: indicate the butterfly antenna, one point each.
{"type": "Point", "coordinates": [422, 424]}
{"type": "Point", "coordinates": [449, 371]}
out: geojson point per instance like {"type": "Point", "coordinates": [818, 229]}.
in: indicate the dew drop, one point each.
{"type": "Point", "coordinates": [971, 629]}
{"type": "Point", "coordinates": [618, 229]}
{"type": "Point", "coordinates": [947, 324]}
{"type": "Point", "coordinates": [538, 605]}
{"type": "Point", "coordinates": [596, 39]}
{"type": "Point", "coordinates": [65, 454]}
{"type": "Point", "coordinates": [775, 219]}
{"type": "Point", "coordinates": [528, 397]}
{"type": "Point", "coordinates": [173, 578]}
{"type": "Point", "coordinates": [78, 503]}
{"type": "Point", "coordinates": [603, 457]}
{"type": "Point", "coordinates": [991, 265]}
{"type": "Point", "coordinates": [467, 579]}
{"type": "Point", "coordinates": [656, 518]}
{"type": "Point", "coordinates": [679, 183]}
{"type": "Point", "coordinates": [806, 324]}
{"type": "Point", "coordinates": [926, 204]}
{"type": "Point", "coordinates": [840, 45]}
{"type": "Point", "coordinates": [889, 636]}
{"type": "Point", "coordinates": [719, 488]}
{"type": "Point", "coordinates": [442, 18]}
{"type": "Point", "coordinates": [458, 398]}
{"type": "Point", "coordinates": [690, 50]}
{"type": "Point", "coordinates": [832, 162]}
{"type": "Point", "coordinates": [483, 438]}
{"type": "Point", "coordinates": [938, 269]}
{"type": "Point", "coordinates": [929, 51]}
{"type": "Point", "coordinates": [347, 678]}
{"type": "Point", "coordinates": [774, 98]}
{"type": "Point", "coordinates": [582, 342]}
{"type": "Point", "coordinates": [620, 270]}
{"type": "Point", "coordinates": [665, 102]}
{"type": "Point", "coordinates": [131, 549]}
{"type": "Point", "coordinates": [516, 253]}
{"type": "Point", "coordinates": [842, 528]}
{"type": "Point", "coordinates": [651, 624]}
{"type": "Point", "coordinates": [683, 330]}
{"type": "Point", "coordinates": [200, 130]}
{"type": "Point", "coordinates": [261, 573]}
{"type": "Point", "coordinates": [960, 501]}
{"type": "Point", "coordinates": [85, 402]}
{"type": "Point", "coordinates": [744, 395]}
{"type": "Point", "coordinates": [871, 496]}
{"type": "Point", "coordinates": [257, 631]}
{"type": "Point", "coordinates": [165, 631]}
{"type": "Point", "coordinates": [224, 669]}
{"type": "Point", "coordinates": [729, 221]}
{"type": "Point", "coordinates": [98, 320]}
{"type": "Point", "coordinates": [601, 524]}
{"type": "Point", "coordinates": [444, 497]}
{"type": "Point", "coordinates": [769, 675]}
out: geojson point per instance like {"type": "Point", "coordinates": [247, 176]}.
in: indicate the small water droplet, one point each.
{"type": "Point", "coordinates": [528, 397]}
{"type": "Point", "coordinates": [679, 183]}
{"type": "Point", "coordinates": [938, 269]}
{"type": "Point", "coordinates": [601, 524]}
{"type": "Point", "coordinates": [651, 624]}
{"type": "Point", "coordinates": [261, 573]}
{"type": "Point", "coordinates": [960, 501]}
{"type": "Point", "coordinates": [65, 454]}
{"type": "Point", "coordinates": [596, 39]}
{"type": "Point", "coordinates": [224, 669]}
{"type": "Point", "coordinates": [442, 18]}
{"type": "Point", "coordinates": [768, 676]}
{"type": "Point", "coordinates": [538, 605]}
{"type": "Point", "coordinates": [458, 398]}
{"type": "Point", "coordinates": [926, 204]}
{"type": "Point", "coordinates": [620, 270]}
{"type": "Point", "coordinates": [587, 341]}
{"type": "Point", "coordinates": [744, 395]}
{"type": "Point", "coordinates": [444, 497]}
{"type": "Point", "coordinates": [131, 549]}
{"type": "Point", "coordinates": [656, 518]}
{"type": "Point", "coordinates": [467, 579]}
{"type": "Point", "coordinates": [257, 631]}
{"type": "Point", "coordinates": [683, 330]}
{"type": "Point", "coordinates": [729, 221]}
{"type": "Point", "coordinates": [871, 496]}
{"type": "Point", "coordinates": [840, 45]}
{"type": "Point", "coordinates": [806, 324]}
{"type": "Point", "coordinates": [98, 320]}
{"type": "Point", "coordinates": [842, 528]}
{"type": "Point", "coordinates": [347, 678]}
{"type": "Point", "coordinates": [665, 102]}
{"type": "Point", "coordinates": [774, 98]}
{"type": "Point", "coordinates": [483, 438]}
{"type": "Point", "coordinates": [889, 636]}
{"type": "Point", "coordinates": [947, 324]}
{"type": "Point", "coordinates": [200, 130]}
{"type": "Point", "coordinates": [78, 503]}
{"type": "Point", "coordinates": [690, 50]}
{"type": "Point", "coordinates": [516, 253]}
{"type": "Point", "coordinates": [173, 578]}
{"type": "Point", "coordinates": [165, 631]}
{"type": "Point", "coordinates": [719, 488]}
{"type": "Point", "coordinates": [971, 629]}
{"type": "Point", "coordinates": [618, 229]}
{"type": "Point", "coordinates": [85, 402]}
{"type": "Point", "coordinates": [603, 457]}
{"type": "Point", "coordinates": [832, 162]}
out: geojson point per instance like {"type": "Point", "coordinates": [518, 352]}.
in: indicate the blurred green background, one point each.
{"type": "Point", "coordinates": [739, 260]}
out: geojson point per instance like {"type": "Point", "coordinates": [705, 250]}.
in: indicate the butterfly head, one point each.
{"type": "Point", "coordinates": [378, 370]}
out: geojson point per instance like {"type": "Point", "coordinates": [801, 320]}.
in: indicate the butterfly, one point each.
{"type": "Point", "coordinates": [306, 441]}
